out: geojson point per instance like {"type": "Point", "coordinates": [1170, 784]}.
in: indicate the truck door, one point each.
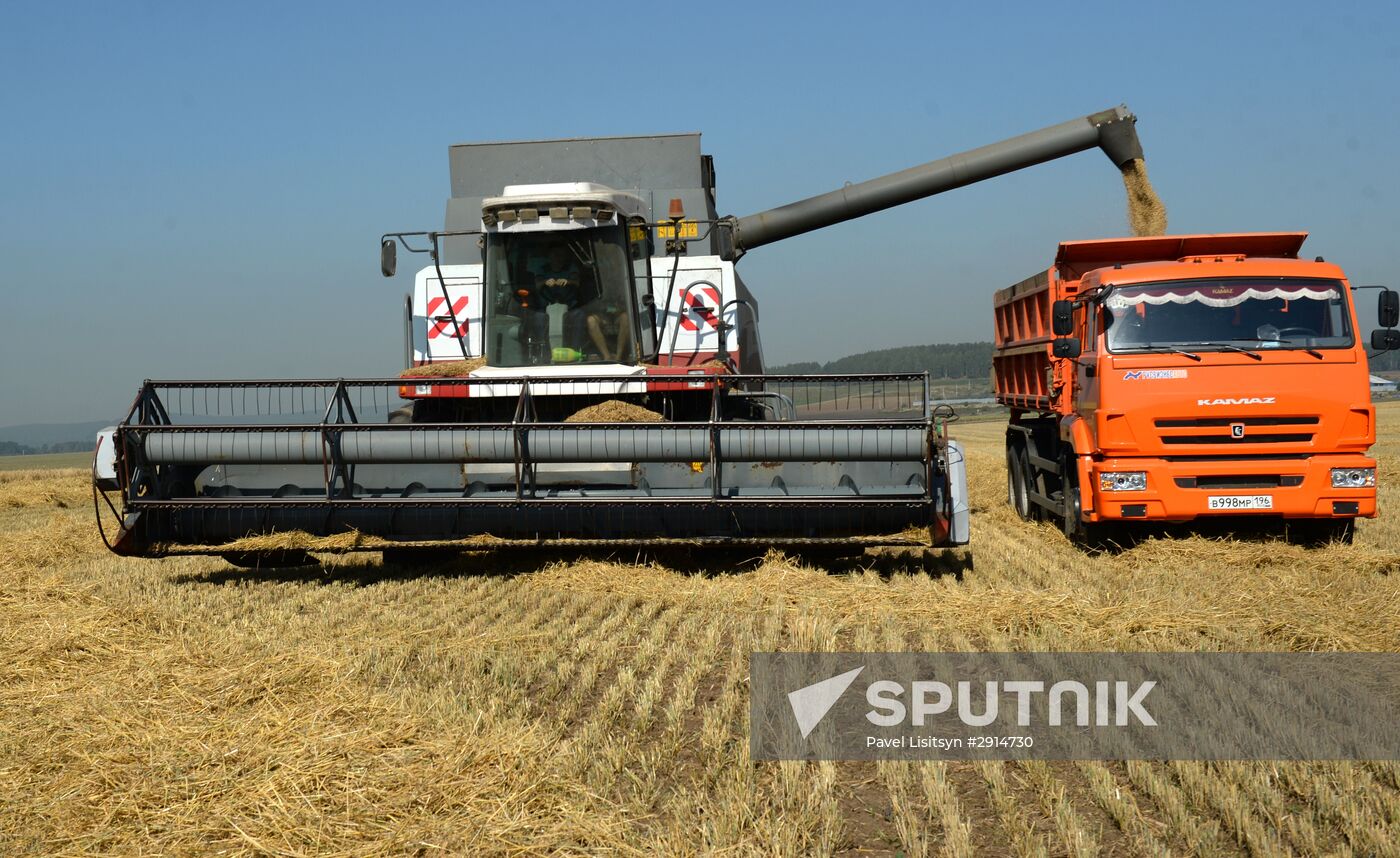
{"type": "Point", "coordinates": [1086, 371]}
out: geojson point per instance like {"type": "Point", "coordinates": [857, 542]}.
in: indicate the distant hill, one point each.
{"type": "Point", "coordinates": [940, 360]}
{"type": "Point", "coordinates": [971, 361]}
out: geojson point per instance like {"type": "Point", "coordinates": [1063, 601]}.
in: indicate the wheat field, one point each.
{"type": "Point", "coordinates": [508, 703]}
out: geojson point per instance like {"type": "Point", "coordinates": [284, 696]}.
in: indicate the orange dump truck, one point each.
{"type": "Point", "coordinates": [1173, 378]}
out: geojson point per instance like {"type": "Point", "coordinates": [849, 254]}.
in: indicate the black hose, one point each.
{"type": "Point", "coordinates": [670, 291]}
{"type": "Point", "coordinates": [447, 301]}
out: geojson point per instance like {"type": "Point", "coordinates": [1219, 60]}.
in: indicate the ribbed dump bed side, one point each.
{"type": "Point", "coordinates": [1021, 360]}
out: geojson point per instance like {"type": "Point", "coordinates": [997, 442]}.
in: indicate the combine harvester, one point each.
{"type": "Point", "coordinates": [583, 371]}
{"type": "Point", "coordinates": [1183, 377]}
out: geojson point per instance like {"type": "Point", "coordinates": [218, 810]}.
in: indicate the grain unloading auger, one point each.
{"type": "Point", "coordinates": [570, 385]}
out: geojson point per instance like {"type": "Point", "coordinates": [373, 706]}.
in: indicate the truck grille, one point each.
{"type": "Point", "coordinates": [1221, 430]}
{"type": "Point", "coordinates": [1240, 481]}
{"type": "Point", "coordinates": [1226, 421]}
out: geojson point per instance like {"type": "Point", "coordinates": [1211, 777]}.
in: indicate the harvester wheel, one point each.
{"type": "Point", "coordinates": [270, 559]}
{"type": "Point", "coordinates": [419, 558]}
{"type": "Point", "coordinates": [1017, 468]}
{"type": "Point", "coordinates": [826, 554]}
{"type": "Point", "coordinates": [402, 415]}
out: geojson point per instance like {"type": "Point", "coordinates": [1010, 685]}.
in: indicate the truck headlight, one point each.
{"type": "Point", "coordinates": [1123, 481]}
{"type": "Point", "coordinates": [1353, 478]}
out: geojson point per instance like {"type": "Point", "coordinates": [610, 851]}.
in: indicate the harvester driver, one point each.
{"type": "Point", "coordinates": [608, 322]}
{"type": "Point", "coordinates": [559, 280]}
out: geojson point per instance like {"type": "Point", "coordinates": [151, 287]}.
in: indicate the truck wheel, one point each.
{"type": "Point", "coordinates": [1017, 467]}
{"type": "Point", "coordinates": [1319, 532]}
{"type": "Point", "coordinates": [1010, 475]}
{"type": "Point", "coordinates": [402, 415]}
{"type": "Point", "coordinates": [1094, 535]}
{"type": "Point", "coordinates": [1070, 523]}
{"type": "Point", "coordinates": [1344, 531]}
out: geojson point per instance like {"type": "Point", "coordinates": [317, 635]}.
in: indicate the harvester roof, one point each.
{"type": "Point", "coordinates": [558, 205]}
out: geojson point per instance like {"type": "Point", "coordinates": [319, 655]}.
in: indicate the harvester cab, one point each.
{"type": "Point", "coordinates": [583, 366]}
{"type": "Point", "coordinates": [560, 286]}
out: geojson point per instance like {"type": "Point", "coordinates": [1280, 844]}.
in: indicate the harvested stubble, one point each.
{"type": "Point", "coordinates": [39, 488]}
{"type": "Point", "coordinates": [446, 369]}
{"type": "Point", "coordinates": [1146, 213]}
{"type": "Point", "coordinates": [595, 706]}
{"type": "Point", "coordinates": [614, 411]}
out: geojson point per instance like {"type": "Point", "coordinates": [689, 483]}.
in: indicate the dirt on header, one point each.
{"type": "Point", "coordinates": [614, 411]}
{"type": "Point", "coordinates": [1146, 213]}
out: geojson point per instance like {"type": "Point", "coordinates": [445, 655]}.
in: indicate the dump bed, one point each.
{"type": "Point", "coordinates": [1021, 363]}
{"type": "Point", "coordinates": [1025, 374]}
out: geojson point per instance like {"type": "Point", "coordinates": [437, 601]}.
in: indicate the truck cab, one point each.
{"type": "Point", "coordinates": [1190, 377]}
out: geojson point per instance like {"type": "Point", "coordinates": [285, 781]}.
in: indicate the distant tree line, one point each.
{"type": "Point", "coordinates": [956, 360]}
{"type": "Point", "coordinates": [10, 448]}
{"type": "Point", "coordinates": [940, 360]}
{"type": "Point", "coordinates": [1386, 362]}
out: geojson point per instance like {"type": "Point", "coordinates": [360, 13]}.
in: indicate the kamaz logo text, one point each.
{"type": "Point", "coordinates": [1244, 400]}
{"type": "Point", "coordinates": [1153, 374]}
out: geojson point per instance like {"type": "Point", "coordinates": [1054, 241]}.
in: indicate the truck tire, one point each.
{"type": "Point", "coordinates": [1319, 532]}
{"type": "Point", "coordinates": [1017, 469]}
{"type": "Point", "coordinates": [1010, 475]}
{"type": "Point", "coordinates": [1070, 499]}
{"type": "Point", "coordinates": [1093, 535]}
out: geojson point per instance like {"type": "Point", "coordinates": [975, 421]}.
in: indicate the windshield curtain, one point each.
{"type": "Point", "coordinates": [559, 298]}
{"type": "Point", "coordinates": [1255, 313]}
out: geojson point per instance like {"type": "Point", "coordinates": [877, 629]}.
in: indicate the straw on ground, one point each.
{"type": "Point", "coordinates": [523, 704]}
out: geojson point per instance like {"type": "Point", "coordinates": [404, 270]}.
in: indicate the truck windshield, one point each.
{"type": "Point", "coordinates": [1225, 314]}
{"type": "Point", "coordinates": [558, 298]}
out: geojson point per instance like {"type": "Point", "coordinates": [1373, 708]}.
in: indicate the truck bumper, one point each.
{"type": "Point", "coordinates": [1181, 491]}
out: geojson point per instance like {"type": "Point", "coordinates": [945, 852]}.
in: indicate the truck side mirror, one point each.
{"type": "Point", "coordinates": [1065, 347]}
{"type": "Point", "coordinates": [1388, 308]}
{"type": "Point", "coordinates": [1062, 318]}
{"type": "Point", "coordinates": [388, 257]}
{"type": "Point", "coordinates": [1385, 340]}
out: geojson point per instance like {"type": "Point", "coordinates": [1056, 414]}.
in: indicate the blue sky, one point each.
{"type": "Point", "coordinates": [191, 190]}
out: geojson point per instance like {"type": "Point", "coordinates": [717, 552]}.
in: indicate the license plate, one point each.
{"type": "Point", "coordinates": [1241, 501]}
